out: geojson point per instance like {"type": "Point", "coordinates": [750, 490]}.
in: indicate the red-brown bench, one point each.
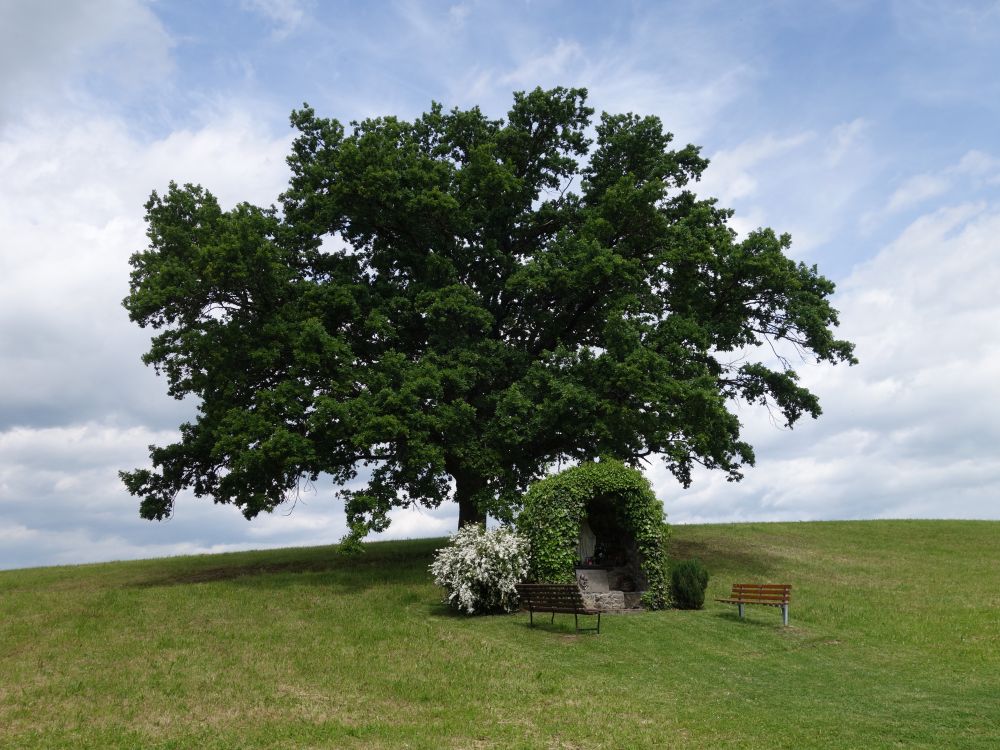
{"type": "Point", "coordinates": [555, 597]}
{"type": "Point", "coordinates": [768, 594]}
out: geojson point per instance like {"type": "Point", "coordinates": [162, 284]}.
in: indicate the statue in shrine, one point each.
{"type": "Point", "coordinates": [586, 544]}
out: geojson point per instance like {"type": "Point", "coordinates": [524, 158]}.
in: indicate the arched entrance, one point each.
{"type": "Point", "coordinates": [608, 566]}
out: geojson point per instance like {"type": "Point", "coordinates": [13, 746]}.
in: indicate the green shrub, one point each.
{"type": "Point", "coordinates": [688, 581]}
{"type": "Point", "coordinates": [554, 507]}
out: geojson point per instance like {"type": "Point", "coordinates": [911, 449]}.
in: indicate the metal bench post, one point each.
{"type": "Point", "coordinates": [740, 606]}
{"type": "Point", "coordinates": [784, 614]}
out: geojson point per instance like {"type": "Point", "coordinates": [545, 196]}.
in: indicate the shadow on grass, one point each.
{"type": "Point", "coordinates": [559, 627]}
{"type": "Point", "coordinates": [234, 572]}
{"type": "Point", "coordinates": [734, 618]}
{"type": "Point", "coordinates": [372, 567]}
{"type": "Point", "coordinates": [742, 562]}
{"type": "Point", "coordinates": [563, 624]}
{"type": "Point", "coordinates": [441, 609]}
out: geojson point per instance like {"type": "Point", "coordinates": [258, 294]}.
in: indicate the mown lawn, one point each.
{"type": "Point", "coordinates": [894, 642]}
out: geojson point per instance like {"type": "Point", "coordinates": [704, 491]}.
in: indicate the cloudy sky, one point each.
{"type": "Point", "coordinates": [868, 130]}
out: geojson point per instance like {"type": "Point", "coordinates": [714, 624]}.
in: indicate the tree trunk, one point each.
{"type": "Point", "coordinates": [467, 486]}
{"type": "Point", "coordinates": [468, 512]}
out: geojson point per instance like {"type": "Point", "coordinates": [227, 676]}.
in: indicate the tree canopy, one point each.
{"type": "Point", "coordinates": [440, 309]}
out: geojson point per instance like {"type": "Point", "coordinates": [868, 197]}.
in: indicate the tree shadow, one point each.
{"type": "Point", "coordinates": [553, 628]}
{"type": "Point", "coordinates": [235, 572]}
{"type": "Point", "coordinates": [748, 621]}
{"type": "Point", "coordinates": [440, 609]}
{"type": "Point", "coordinates": [327, 567]}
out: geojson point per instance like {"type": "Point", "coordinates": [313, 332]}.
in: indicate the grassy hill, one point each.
{"type": "Point", "coordinates": [894, 642]}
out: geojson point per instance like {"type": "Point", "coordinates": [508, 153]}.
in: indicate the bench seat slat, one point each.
{"type": "Point", "coordinates": [756, 598]}
{"type": "Point", "coordinates": [760, 594]}
{"type": "Point", "coordinates": [568, 610]}
{"type": "Point", "coordinates": [762, 585]}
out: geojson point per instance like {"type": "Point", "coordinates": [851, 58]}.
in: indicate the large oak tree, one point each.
{"type": "Point", "coordinates": [456, 303]}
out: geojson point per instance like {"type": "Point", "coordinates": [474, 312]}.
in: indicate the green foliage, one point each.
{"type": "Point", "coordinates": [455, 303]}
{"type": "Point", "coordinates": [688, 581]}
{"type": "Point", "coordinates": [555, 506]}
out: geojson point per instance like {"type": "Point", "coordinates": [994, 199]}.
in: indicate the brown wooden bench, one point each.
{"type": "Point", "coordinates": [555, 597]}
{"type": "Point", "coordinates": [768, 594]}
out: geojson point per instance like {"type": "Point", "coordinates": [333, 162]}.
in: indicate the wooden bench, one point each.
{"type": "Point", "coordinates": [555, 597]}
{"type": "Point", "coordinates": [768, 594]}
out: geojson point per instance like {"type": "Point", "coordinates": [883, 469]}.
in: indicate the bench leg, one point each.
{"type": "Point", "coordinates": [576, 622]}
{"type": "Point", "coordinates": [531, 618]}
{"type": "Point", "coordinates": [553, 618]}
{"type": "Point", "coordinates": [784, 614]}
{"type": "Point", "coordinates": [740, 606]}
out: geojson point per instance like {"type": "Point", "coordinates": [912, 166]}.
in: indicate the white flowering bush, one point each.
{"type": "Point", "coordinates": [480, 567]}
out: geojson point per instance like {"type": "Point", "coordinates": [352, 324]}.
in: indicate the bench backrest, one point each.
{"type": "Point", "coordinates": [560, 595]}
{"type": "Point", "coordinates": [765, 593]}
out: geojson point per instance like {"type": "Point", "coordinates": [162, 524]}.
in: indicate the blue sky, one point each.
{"type": "Point", "coordinates": [866, 130]}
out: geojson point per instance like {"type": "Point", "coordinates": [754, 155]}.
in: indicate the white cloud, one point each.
{"type": "Point", "coordinates": [47, 50]}
{"type": "Point", "coordinates": [286, 15]}
{"type": "Point", "coordinates": [76, 403]}
{"type": "Point", "coordinates": [912, 430]}
{"type": "Point", "coordinates": [979, 164]}
{"type": "Point", "coordinates": [945, 54]}
{"type": "Point", "coordinates": [61, 501]}
{"type": "Point", "coordinates": [975, 170]}
{"type": "Point", "coordinates": [947, 21]}
{"type": "Point", "coordinates": [806, 183]}
{"type": "Point", "coordinates": [734, 173]}
{"type": "Point", "coordinates": [917, 190]}
{"type": "Point", "coordinates": [71, 196]}
{"type": "Point", "coordinates": [458, 13]}
{"type": "Point", "coordinates": [549, 64]}
{"type": "Point", "coordinates": [667, 65]}
{"type": "Point", "coordinates": [846, 139]}
{"type": "Point", "coordinates": [414, 522]}
{"type": "Point", "coordinates": [687, 108]}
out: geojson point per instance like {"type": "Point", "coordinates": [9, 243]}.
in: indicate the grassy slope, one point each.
{"type": "Point", "coordinates": [894, 642]}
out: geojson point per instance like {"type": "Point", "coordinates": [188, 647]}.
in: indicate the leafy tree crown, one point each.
{"type": "Point", "coordinates": [441, 308]}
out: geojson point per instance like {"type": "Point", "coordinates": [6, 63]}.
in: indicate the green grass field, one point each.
{"type": "Point", "coordinates": [894, 642]}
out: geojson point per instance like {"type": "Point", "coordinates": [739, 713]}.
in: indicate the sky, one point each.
{"type": "Point", "coordinates": [867, 130]}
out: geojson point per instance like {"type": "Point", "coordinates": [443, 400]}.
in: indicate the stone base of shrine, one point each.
{"type": "Point", "coordinates": [613, 601]}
